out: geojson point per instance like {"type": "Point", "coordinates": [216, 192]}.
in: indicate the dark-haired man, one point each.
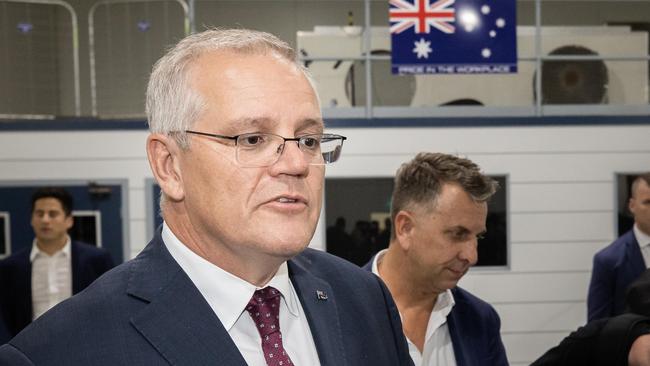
{"type": "Point", "coordinates": [439, 210]}
{"type": "Point", "coordinates": [623, 261]}
{"type": "Point", "coordinates": [53, 268]}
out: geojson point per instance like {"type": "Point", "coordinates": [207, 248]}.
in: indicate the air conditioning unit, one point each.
{"type": "Point", "coordinates": [341, 81]}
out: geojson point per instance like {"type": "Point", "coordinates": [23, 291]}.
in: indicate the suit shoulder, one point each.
{"type": "Point", "coordinates": [89, 249]}
{"type": "Point", "coordinates": [17, 259]}
{"type": "Point", "coordinates": [93, 313]}
{"type": "Point", "coordinates": [326, 265]}
{"type": "Point", "coordinates": [466, 300]}
{"type": "Point", "coordinates": [615, 249]}
{"type": "Point", "coordinates": [87, 306]}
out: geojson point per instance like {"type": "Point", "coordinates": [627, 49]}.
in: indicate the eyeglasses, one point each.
{"type": "Point", "coordinates": [256, 149]}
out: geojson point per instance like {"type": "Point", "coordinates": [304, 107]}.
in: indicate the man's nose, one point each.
{"type": "Point", "coordinates": [469, 251]}
{"type": "Point", "coordinates": [292, 159]}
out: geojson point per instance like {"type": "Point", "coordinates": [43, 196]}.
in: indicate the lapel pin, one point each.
{"type": "Point", "coordinates": [321, 295]}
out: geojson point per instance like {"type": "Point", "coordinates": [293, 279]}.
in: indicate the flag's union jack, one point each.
{"type": "Point", "coordinates": [421, 15]}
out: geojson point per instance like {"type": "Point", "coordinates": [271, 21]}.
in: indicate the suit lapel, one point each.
{"type": "Point", "coordinates": [635, 256]}
{"type": "Point", "coordinates": [455, 325]}
{"type": "Point", "coordinates": [75, 264]}
{"type": "Point", "coordinates": [23, 288]}
{"type": "Point", "coordinates": [178, 322]}
{"type": "Point", "coordinates": [318, 300]}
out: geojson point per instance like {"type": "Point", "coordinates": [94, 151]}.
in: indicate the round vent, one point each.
{"type": "Point", "coordinates": [387, 89]}
{"type": "Point", "coordinates": [573, 82]}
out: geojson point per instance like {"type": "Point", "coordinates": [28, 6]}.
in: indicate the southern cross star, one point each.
{"type": "Point", "coordinates": [422, 48]}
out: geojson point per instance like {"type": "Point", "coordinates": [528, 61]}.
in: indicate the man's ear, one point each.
{"type": "Point", "coordinates": [164, 154]}
{"type": "Point", "coordinates": [631, 205]}
{"type": "Point", "coordinates": [404, 226]}
{"type": "Point", "coordinates": [69, 221]}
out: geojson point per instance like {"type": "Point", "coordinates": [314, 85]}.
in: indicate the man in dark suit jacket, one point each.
{"type": "Point", "coordinates": [621, 262]}
{"type": "Point", "coordinates": [238, 149]}
{"type": "Point", "coordinates": [148, 312]}
{"type": "Point", "coordinates": [438, 211]}
{"type": "Point", "coordinates": [51, 219]}
{"type": "Point", "coordinates": [620, 340]}
{"type": "Point", "coordinates": [623, 340]}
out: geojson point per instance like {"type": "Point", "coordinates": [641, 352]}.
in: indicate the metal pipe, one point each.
{"type": "Point", "coordinates": [367, 49]}
{"type": "Point", "coordinates": [538, 57]}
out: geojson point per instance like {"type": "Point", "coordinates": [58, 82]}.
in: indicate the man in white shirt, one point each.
{"type": "Point", "coordinates": [53, 268]}
{"type": "Point", "coordinates": [238, 149]}
{"type": "Point", "coordinates": [439, 210]}
{"type": "Point", "coordinates": [617, 265]}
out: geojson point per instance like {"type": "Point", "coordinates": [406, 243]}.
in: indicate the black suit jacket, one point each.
{"type": "Point", "coordinates": [602, 342]}
{"type": "Point", "coordinates": [148, 312]}
{"type": "Point", "coordinates": [88, 263]}
{"type": "Point", "coordinates": [474, 327]}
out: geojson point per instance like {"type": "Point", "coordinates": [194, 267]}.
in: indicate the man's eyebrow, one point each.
{"type": "Point", "coordinates": [309, 123]}
{"type": "Point", "coordinates": [457, 228]}
{"type": "Point", "coordinates": [269, 123]}
{"type": "Point", "coordinates": [248, 122]}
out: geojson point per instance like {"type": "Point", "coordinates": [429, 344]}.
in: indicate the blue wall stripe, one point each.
{"type": "Point", "coordinates": [90, 124]}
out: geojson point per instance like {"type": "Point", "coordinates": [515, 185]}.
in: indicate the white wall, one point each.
{"type": "Point", "coordinates": [562, 205]}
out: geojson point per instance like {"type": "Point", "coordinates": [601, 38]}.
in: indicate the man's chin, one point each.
{"type": "Point", "coordinates": [285, 238]}
{"type": "Point", "coordinates": [289, 250]}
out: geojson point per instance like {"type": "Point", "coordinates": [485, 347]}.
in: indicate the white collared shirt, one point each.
{"type": "Point", "coordinates": [228, 296]}
{"type": "Point", "coordinates": [644, 243]}
{"type": "Point", "coordinates": [438, 349]}
{"type": "Point", "coordinates": [51, 278]}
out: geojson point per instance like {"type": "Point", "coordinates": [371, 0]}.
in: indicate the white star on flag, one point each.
{"type": "Point", "coordinates": [422, 48]}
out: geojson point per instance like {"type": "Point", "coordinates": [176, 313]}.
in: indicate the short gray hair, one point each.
{"type": "Point", "coordinates": [172, 105]}
{"type": "Point", "coordinates": [419, 181]}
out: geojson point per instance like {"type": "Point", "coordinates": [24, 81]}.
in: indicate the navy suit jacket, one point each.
{"type": "Point", "coordinates": [474, 327]}
{"type": "Point", "coordinates": [148, 312]}
{"type": "Point", "coordinates": [88, 263]}
{"type": "Point", "coordinates": [615, 268]}
{"type": "Point", "coordinates": [4, 332]}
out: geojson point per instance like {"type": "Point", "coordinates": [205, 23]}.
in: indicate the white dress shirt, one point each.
{"type": "Point", "coordinates": [228, 296]}
{"type": "Point", "coordinates": [438, 349]}
{"type": "Point", "coordinates": [51, 278]}
{"type": "Point", "coordinates": [644, 243]}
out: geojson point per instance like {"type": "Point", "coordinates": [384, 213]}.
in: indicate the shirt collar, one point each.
{"type": "Point", "coordinates": [36, 252]}
{"type": "Point", "coordinates": [441, 309]}
{"type": "Point", "coordinates": [642, 238]}
{"type": "Point", "coordinates": [375, 261]}
{"type": "Point", "coordinates": [444, 303]}
{"type": "Point", "coordinates": [226, 293]}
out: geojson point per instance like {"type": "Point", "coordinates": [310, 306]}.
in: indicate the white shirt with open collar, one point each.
{"type": "Point", "coordinates": [438, 349]}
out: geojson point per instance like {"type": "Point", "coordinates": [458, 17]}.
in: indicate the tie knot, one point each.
{"type": "Point", "coordinates": [264, 308]}
{"type": "Point", "coordinates": [266, 294]}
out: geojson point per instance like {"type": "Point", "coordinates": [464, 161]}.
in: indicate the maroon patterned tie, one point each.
{"type": "Point", "coordinates": [264, 308]}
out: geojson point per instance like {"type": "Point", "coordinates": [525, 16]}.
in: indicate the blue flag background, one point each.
{"type": "Point", "coordinates": [481, 38]}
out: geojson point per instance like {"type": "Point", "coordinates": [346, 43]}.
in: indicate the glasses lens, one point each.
{"type": "Point", "coordinates": [258, 149]}
{"type": "Point", "coordinates": [330, 149]}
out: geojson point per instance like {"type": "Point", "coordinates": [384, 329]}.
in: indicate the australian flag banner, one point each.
{"type": "Point", "coordinates": [453, 36]}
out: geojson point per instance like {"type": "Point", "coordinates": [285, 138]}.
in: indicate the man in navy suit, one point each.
{"type": "Point", "coordinates": [616, 266]}
{"type": "Point", "coordinates": [50, 270]}
{"type": "Point", "coordinates": [238, 148]}
{"type": "Point", "coordinates": [439, 209]}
